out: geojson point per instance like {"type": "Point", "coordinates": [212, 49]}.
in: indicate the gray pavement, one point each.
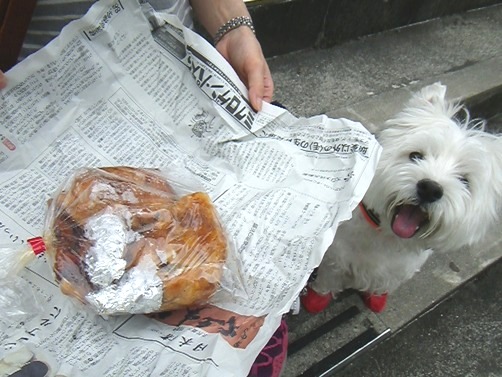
{"type": "Point", "coordinates": [461, 336]}
{"type": "Point", "coordinates": [369, 80]}
{"type": "Point", "coordinates": [463, 51]}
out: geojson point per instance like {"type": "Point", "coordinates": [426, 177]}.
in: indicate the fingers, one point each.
{"type": "Point", "coordinates": [261, 86]}
{"type": "Point", "coordinates": [268, 86]}
{"type": "Point", "coordinates": [3, 80]}
{"type": "Point", "coordinates": [243, 51]}
{"type": "Point", "coordinates": [256, 88]}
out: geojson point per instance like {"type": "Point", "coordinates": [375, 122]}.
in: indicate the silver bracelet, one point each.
{"type": "Point", "coordinates": [234, 23]}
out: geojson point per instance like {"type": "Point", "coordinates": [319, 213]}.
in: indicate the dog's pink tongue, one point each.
{"type": "Point", "coordinates": [407, 221]}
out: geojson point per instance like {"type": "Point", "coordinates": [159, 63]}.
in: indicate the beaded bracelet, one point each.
{"type": "Point", "coordinates": [234, 23]}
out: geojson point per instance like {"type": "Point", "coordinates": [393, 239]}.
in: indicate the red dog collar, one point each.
{"type": "Point", "coordinates": [370, 216]}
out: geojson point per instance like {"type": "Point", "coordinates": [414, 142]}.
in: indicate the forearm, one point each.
{"type": "Point", "coordinates": [214, 13]}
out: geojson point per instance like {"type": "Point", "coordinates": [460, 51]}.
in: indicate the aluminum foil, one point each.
{"type": "Point", "coordinates": [105, 261]}
{"type": "Point", "coordinates": [138, 291]}
{"type": "Point", "coordinates": [101, 191]}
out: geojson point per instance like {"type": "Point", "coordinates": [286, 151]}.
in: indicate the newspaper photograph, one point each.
{"type": "Point", "coordinates": [125, 86]}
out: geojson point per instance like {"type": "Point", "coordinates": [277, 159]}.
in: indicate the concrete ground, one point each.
{"type": "Point", "coordinates": [461, 336]}
{"type": "Point", "coordinates": [368, 80]}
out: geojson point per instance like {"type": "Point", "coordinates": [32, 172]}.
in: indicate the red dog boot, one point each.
{"type": "Point", "coordinates": [375, 303]}
{"type": "Point", "coordinates": [314, 302]}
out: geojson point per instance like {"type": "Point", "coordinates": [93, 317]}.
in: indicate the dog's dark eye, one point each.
{"type": "Point", "coordinates": [416, 156]}
{"type": "Point", "coordinates": [464, 181]}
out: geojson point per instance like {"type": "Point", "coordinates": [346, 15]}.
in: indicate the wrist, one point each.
{"type": "Point", "coordinates": [233, 24]}
{"type": "Point", "coordinates": [212, 14]}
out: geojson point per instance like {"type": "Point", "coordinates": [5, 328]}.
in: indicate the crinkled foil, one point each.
{"type": "Point", "coordinates": [105, 261]}
{"type": "Point", "coordinates": [101, 190]}
{"type": "Point", "coordinates": [138, 291]}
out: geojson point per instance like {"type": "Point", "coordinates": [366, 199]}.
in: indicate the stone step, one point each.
{"type": "Point", "coordinates": [290, 25]}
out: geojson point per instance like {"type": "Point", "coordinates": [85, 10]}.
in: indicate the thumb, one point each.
{"type": "Point", "coordinates": [268, 86]}
{"type": "Point", "coordinates": [256, 89]}
{"type": "Point", "coordinates": [3, 80]}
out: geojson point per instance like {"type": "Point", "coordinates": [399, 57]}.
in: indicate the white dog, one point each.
{"type": "Point", "coordinates": [438, 186]}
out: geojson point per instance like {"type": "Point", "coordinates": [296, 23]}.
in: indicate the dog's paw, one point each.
{"type": "Point", "coordinates": [314, 302]}
{"type": "Point", "coordinates": [375, 303]}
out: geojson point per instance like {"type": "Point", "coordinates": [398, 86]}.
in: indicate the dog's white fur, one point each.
{"type": "Point", "coordinates": [463, 159]}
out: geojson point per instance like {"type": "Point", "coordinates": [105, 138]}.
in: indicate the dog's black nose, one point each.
{"type": "Point", "coordinates": [429, 191]}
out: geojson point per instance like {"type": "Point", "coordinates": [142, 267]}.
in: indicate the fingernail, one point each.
{"type": "Point", "coordinates": [257, 102]}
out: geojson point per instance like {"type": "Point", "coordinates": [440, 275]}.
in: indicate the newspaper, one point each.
{"type": "Point", "coordinates": [126, 86]}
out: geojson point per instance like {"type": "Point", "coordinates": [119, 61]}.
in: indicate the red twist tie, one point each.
{"type": "Point", "coordinates": [37, 244]}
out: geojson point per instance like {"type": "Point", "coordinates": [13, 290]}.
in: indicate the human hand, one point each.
{"type": "Point", "coordinates": [3, 80]}
{"type": "Point", "coordinates": [243, 51]}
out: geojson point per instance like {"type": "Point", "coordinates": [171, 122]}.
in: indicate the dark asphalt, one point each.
{"type": "Point", "coordinates": [461, 336]}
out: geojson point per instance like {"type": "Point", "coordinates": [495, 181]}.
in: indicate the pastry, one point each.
{"type": "Point", "coordinates": [122, 241]}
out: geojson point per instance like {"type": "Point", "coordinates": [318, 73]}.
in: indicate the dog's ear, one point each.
{"type": "Point", "coordinates": [431, 101]}
{"type": "Point", "coordinates": [435, 93]}
{"type": "Point", "coordinates": [492, 155]}
{"type": "Point", "coordinates": [427, 106]}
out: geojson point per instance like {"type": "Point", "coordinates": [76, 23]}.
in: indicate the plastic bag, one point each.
{"type": "Point", "coordinates": [18, 302]}
{"type": "Point", "coordinates": [14, 258]}
{"type": "Point", "coordinates": [121, 240]}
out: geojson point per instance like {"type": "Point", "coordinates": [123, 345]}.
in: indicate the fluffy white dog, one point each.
{"type": "Point", "coordinates": [438, 186]}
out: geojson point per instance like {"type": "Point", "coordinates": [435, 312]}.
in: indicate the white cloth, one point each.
{"type": "Point", "coordinates": [180, 8]}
